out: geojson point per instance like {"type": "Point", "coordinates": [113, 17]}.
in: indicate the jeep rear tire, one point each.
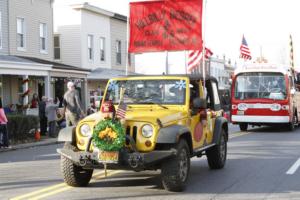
{"type": "Point", "coordinates": [243, 126]}
{"type": "Point", "coordinates": [74, 175]}
{"type": "Point", "coordinates": [216, 156]}
{"type": "Point", "coordinates": [175, 171]}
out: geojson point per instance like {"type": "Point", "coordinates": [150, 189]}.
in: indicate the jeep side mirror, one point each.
{"type": "Point", "coordinates": [199, 103]}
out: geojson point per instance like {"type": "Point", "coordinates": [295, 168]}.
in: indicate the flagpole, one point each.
{"type": "Point", "coordinates": [167, 63]}
{"type": "Point", "coordinates": [127, 38]}
{"type": "Point", "coordinates": [203, 44]}
{"type": "Point", "coordinates": [185, 62]}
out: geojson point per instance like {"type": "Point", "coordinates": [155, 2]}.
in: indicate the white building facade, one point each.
{"type": "Point", "coordinates": [92, 38]}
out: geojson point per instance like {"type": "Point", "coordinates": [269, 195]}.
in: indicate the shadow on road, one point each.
{"type": "Point", "coordinates": [130, 180]}
{"type": "Point", "coordinates": [272, 129]}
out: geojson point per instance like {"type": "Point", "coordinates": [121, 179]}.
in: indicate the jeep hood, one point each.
{"type": "Point", "coordinates": [151, 115]}
{"type": "Point", "coordinates": [143, 115]}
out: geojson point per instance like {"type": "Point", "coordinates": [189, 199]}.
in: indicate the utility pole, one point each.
{"type": "Point", "coordinates": [261, 57]}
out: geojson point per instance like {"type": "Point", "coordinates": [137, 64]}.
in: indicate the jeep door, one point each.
{"type": "Point", "coordinates": [196, 126]}
{"type": "Point", "coordinates": [213, 107]}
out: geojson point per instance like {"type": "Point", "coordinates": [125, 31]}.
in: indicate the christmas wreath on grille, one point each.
{"type": "Point", "coordinates": [109, 135]}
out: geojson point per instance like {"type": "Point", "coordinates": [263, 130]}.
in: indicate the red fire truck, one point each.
{"type": "Point", "coordinates": [264, 94]}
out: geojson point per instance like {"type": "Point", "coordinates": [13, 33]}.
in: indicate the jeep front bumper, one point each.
{"type": "Point", "coordinates": [127, 160]}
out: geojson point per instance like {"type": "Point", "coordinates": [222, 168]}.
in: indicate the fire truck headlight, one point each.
{"type": "Point", "coordinates": [242, 106]}
{"type": "Point", "coordinates": [275, 107]}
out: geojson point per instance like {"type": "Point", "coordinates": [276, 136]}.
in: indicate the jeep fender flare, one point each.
{"type": "Point", "coordinates": [220, 123]}
{"type": "Point", "coordinates": [171, 134]}
{"type": "Point", "coordinates": [67, 134]}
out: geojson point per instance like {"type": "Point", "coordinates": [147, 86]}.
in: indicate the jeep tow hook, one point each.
{"type": "Point", "coordinates": [85, 160]}
{"type": "Point", "coordinates": [135, 160]}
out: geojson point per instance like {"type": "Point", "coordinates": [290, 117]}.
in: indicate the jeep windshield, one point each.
{"type": "Point", "coordinates": [264, 85]}
{"type": "Point", "coordinates": [147, 91]}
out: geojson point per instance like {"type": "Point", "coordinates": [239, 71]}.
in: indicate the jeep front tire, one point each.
{"type": "Point", "coordinates": [216, 156]}
{"type": "Point", "coordinates": [175, 171]}
{"type": "Point", "coordinates": [74, 175]}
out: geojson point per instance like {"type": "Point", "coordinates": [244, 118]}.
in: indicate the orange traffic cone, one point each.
{"type": "Point", "coordinates": [37, 135]}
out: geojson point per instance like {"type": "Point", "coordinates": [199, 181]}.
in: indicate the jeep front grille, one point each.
{"type": "Point", "coordinates": [132, 131]}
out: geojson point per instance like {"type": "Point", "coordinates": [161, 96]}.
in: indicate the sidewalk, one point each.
{"type": "Point", "coordinates": [43, 142]}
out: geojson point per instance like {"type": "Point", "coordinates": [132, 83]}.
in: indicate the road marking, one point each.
{"type": "Point", "coordinates": [39, 191]}
{"type": "Point", "coordinates": [95, 178]}
{"type": "Point", "coordinates": [294, 167]}
{"type": "Point", "coordinates": [53, 187]}
{"type": "Point", "coordinates": [51, 193]}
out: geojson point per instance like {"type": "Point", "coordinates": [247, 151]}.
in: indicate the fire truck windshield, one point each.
{"type": "Point", "coordinates": [265, 85]}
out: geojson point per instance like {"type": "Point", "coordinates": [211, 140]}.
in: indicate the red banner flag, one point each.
{"type": "Point", "coordinates": [169, 25]}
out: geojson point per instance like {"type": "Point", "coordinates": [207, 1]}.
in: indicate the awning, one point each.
{"type": "Point", "coordinates": [106, 74]}
{"type": "Point", "coordinates": [14, 65]}
{"type": "Point", "coordinates": [61, 70]}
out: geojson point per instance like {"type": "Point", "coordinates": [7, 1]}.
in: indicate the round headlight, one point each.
{"type": "Point", "coordinates": [242, 106]}
{"type": "Point", "coordinates": [85, 130]}
{"type": "Point", "coordinates": [275, 107]}
{"type": "Point", "coordinates": [147, 131]}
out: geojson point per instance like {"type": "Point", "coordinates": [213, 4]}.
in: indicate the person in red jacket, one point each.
{"type": "Point", "coordinates": [4, 142]}
{"type": "Point", "coordinates": [35, 101]}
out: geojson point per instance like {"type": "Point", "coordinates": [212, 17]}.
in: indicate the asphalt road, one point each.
{"type": "Point", "coordinates": [262, 164]}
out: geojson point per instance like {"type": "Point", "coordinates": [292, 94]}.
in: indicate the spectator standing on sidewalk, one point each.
{"type": "Point", "coordinates": [72, 105]}
{"type": "Point", "coordinates": [35, 101]}
{"type": "Point", "coordinates": [4, 141]}
{"type": "Point", "coordinates": [42, 115]}
{"type": "Point", "coordinates": [51, 116]}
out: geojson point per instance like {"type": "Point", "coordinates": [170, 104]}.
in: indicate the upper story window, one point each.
{"type": "Point", "coordinates": [21, 43]}
{"type": "Point", "coordinates": [56, 43]}
{"type": "Point", "coordinates": [118, 52]}
{"type": "Point", "coordinates": [43, 37]}
{"type": "Point", "coordinates": [90, 45]}
{"type": "Point", "coordinates": [102, 49]}
{"type": "Point", "coordinates": [0, 32]}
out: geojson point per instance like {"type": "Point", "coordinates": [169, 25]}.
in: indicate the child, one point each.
{"type": "Point", "coordinates": [4, 143]}
{"type": "Point", "coordinates": [51, 116]}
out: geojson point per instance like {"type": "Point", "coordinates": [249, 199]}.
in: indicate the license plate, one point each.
{"type": "Point", "coordinates": [108, 156]}
{"type": "Point", "coordinates": [240, 112]}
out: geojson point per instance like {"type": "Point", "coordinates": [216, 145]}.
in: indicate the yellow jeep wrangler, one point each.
{"type": "Point", "coordinates": [167, 120]}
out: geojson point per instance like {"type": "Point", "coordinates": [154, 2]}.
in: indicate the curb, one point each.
{"type": "Point", "coordinates": [32, 144]}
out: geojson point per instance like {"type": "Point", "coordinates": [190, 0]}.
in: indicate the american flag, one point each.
{"type": "Point", "coordinates": [245, 51]}
{"type": "Point", "coordinates": [195, 56]}
{"type": "Point", "coordinates": [121, 111]}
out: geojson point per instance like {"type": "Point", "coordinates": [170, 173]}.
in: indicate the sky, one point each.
{"type": "Point", "coordinates": [266, 25]}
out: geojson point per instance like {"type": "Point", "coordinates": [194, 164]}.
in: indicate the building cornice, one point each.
{"type": "Point", "coordinates": [71, 71]}
{"type": "Point", "coordinates": [93, 9]}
